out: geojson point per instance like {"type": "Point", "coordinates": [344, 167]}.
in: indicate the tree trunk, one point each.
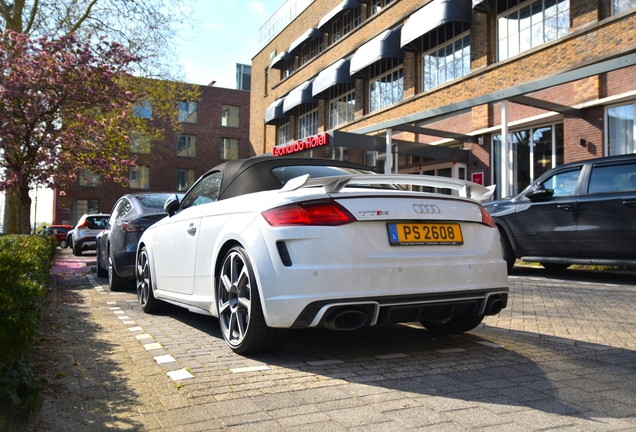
{"type": "Point", "coordinates": [25, 209]}
{"type": "Point", "coordinates": [11, 220]}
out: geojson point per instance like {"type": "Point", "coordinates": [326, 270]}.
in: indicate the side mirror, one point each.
{"type": "Point", "coordinates": [539, 193]}
{"type": "Point", "coordinates": [171, 205]}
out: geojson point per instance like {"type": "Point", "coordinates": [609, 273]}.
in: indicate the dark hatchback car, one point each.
{"type": "Point", "coordinates": [578, 213]}
{"type": "Point", "coordinates": [117, 243]}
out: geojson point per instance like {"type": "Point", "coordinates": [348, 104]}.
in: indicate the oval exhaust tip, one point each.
{"type": "Point", "coordinates": [346, 320]}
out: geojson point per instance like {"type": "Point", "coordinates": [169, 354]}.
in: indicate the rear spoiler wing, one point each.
{"type": "Point", "coordinates": [334, 184]}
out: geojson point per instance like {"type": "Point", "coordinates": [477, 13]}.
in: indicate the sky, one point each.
{"type": "Point", "coordinates": [226, 33]}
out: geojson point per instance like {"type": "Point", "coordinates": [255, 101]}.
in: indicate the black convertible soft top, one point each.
{"type": "Point", "coordinates": [256, 174]}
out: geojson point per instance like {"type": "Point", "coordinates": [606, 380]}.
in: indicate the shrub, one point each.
{"type": "Point", "coordinates": [25, 262]}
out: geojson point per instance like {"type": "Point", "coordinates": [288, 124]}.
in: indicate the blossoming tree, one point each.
{"type": "Point", "coordinates": [60, 101]}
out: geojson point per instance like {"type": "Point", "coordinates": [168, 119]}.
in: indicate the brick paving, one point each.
{"type": "Point", "coordinates": [560, 357]}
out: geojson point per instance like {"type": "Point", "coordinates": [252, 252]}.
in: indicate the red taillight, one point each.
{"type": "Point", "coordinates": [132, 226]}
{"type": "Point", "coordinates": [486, 219]}
{"type": "Point", "coordinates": [82, 225]}
{"type": "Point", "coordinates": [323, 212]}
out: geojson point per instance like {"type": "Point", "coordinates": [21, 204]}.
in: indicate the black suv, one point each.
{"type": "Point", "coordinates": [578, 213]}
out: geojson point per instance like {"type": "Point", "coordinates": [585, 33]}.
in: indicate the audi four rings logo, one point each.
{"type": "Point", "coordinates": [426, 209]}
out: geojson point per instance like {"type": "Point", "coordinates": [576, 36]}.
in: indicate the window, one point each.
{"type": "Point", "coordinates": [143, 109]}
{"type": "Point", "coordinates": [206, 191]}
{"type": "Point", "coordinates": [342, 105]}
{"type": "Point", "coordinates": [619, 6]}
{"type": "Point", "coordinates": [563, 183]}
{"type": "Point", "coordinates": [139, 178]}
{"type": "Point", "coordinates": [386, 86]}
{"type": "Point", "coordinates": [188, 112]}
{"type": "Point", "coordinates": [343, 25]}
{"type": "Point", "coordinates": [230, 149]}
{"type": "Point", "coordinates": [289, 66]}
{"type": "Point", "coordinates": [620, 130]}
{"type": "Point", "coordinates": [533, 152]}
{"type": "Point", "coordinates": [139, 143]}
{"type": "Point", "coordinates": [446, 55]}
{"type": "Point", "coordinates": [89, 179]}
{"type": "Point", "coordinates": [310, 49]}
{"type": "Point", "coordinates": [82, 207]}
{"type": "Point", "coordinates": [230, 116]}
{"type": "Point", "coordinates": [525, 25]}
{"type": "Point", "coordinates": [377, 5]}
{"type": "Point", "coordinates": [185, 179]}
{"type": "Point", "coordinates": [613, 178]}
{"type": "Point", "coordinates": [307, 120]}
{"type": "Point", "coordinates": [283, 134]}
{"type": "Point", "coordinates": [187, 145]}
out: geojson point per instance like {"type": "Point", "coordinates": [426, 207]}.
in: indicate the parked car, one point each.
{"type": "Point", "coordinates": [271, 243]}
{"type": "Point", "coordinates": [578, 213]}
{"type": "Point", "coordinates": [83, 236]}
{"type": "Point", "coordinates": [117, 243]}
{"type": "Point", "coordinates": [69, 237]}
{"type": "Point", "coordinates": [59, 231]}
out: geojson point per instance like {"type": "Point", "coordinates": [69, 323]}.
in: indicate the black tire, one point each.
{"type": "Point", "coordinates": [145, 288]}
{"type": "Point", "coordinates": [555, 266]}
{"type": "Point", "coordinates": [116, 282]}
{"type": "Point", "coordinates": [99, 270]}
{"type": "Point", "coordinates": [77, 249]}
{"type": "Point", "coordinates": [63, 244]}
{"type": "Point", "coordinates": [455, 325]}
{"type": "Point", "coordinates": [508, 252]}
{"type": "Point", "coordinates": [241, 316]}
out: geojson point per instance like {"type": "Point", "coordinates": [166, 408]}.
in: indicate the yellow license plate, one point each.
{"type": "Point", "coordinates": [425, 233]}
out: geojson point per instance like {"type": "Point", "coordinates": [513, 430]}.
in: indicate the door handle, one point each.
{"type": "Point", "coordinates": [192, 230]}
{"type": "Point", "coordinates": [565, 207]}
{"type": "Point", "coordinates": [630, 203]}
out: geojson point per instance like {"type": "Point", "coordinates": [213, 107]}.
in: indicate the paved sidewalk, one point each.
{"type": "Point", "coordinates": [562, 356]}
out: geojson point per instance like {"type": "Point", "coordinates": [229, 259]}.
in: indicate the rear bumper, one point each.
{"type": "Point", "coordinates": [410, 308]}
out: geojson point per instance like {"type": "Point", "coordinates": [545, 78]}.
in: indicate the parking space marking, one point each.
{"type": "Point", "coordinates": [162, 359]}
{"type": "Point", "coordinates": [324, 362]}
{"type": "Point", "coordinates": [450, 350]}
{"type": "Point", "coordinates": [180, 374]}
{"type": "Point", "coordinates": [391, 356]}
{"type": "Point", "coordinates": [153, 346]}
{"type": "Point", "coordinates": [250, 369]}
{"type": "Point", "coordinates": [143, 336]}
{"type": "Point", "coordinates": [490, 344]}
{"type": "Point", "coordinates": [134, 329]}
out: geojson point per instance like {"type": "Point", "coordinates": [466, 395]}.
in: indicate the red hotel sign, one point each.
{"type": "Point", "coordinates": [300, 145]}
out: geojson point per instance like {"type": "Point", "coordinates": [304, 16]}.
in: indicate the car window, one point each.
{"type": "Point", "coordinates": [613, 178]}
{"type": "Point", "coordinates": [122, 208]}
{"type": "Point", "coordinates": [203, 192]}
{"type": "Point", "coordinates": [563, 183]}
{"type": "Point", "coordinates": [96, 222]}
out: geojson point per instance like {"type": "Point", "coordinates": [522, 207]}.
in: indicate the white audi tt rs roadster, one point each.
{"type": "Point", "coordinates": [271, 243]}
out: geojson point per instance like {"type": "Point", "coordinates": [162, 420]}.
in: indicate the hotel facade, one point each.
{"type": "Point", "coordinates": [493, 91]}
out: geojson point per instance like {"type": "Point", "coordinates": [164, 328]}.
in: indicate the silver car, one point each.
{"type": "Point", "coordinates": [83, 237]}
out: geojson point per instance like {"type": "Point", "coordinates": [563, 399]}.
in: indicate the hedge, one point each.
{"type": "Point", "coordinates": [25, 262]}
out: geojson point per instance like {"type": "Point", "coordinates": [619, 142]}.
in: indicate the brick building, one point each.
{"type": "Point", "coordinates": [494, 91]}
{"type": "Point", "coordinates": [215, 129]}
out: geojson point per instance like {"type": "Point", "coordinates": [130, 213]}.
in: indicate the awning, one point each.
{"type": "Point", "coordinates": [274, 112]}
{"type": "Point", "coordinates": [309, 34]}
{"type": "Point", "coordinates": [481, 5]}
{"type": "Point", "coordinates": [279, 60]}
{"type": "Point", "coordinates": [299, 95]}
{"type": "Point", "coordinates": [385, 45]}
{"type": "Point", "coordinates": [337, 73]}
{"type": "Point", "coordinates": [433, 15]}
{"type": "Point", "coordinates": [327, 19]}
